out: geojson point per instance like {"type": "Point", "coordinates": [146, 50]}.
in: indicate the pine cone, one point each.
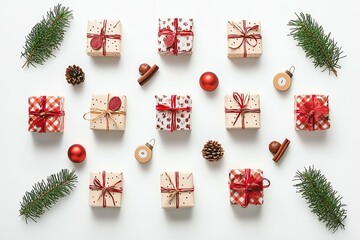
{"type": "Point", "coordinates": [212, 151]}
{"type": "Point", "coordinates": [74, 75]}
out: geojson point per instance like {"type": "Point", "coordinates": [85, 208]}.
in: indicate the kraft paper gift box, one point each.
{"type": "Point", "coordinates": [173, 112]}
{"type": "Point", "coordinates": [46, 114]}
{"type": "Point", "coordinates": [104, 38]}
{"type": "Point", "coordinates": [177, 189]}
{"type": "Point", "coordinates": [175, 36]}
{"type": "Point", "coordinates": [312, 112]}
{"type": "Point", "coordinates": [242, 111]}
{"type": "Point", "coordinates": [107, 112]}
{"type": "Point", "coordinates": [105, 189]}
{"type": "Point", "coordinates": [244, 39]}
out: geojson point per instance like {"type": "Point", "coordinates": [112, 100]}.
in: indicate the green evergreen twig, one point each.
{"type": "Point", "coordinates": [44, 194]}
{"type": "Point", "coordinates": [318, 46]}
{"type": "Point", "coordinates": [46, 36]}
{"type": "Point", "coordinates": [321, 198]}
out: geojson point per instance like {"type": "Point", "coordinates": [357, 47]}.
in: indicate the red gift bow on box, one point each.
{"type": "Point", "coordinates": [250, 187]}
{"type": "Point", "coordinates": [172, 35]}
{"type": "Point", "coordinates": [243, 101]}
{"type": "Point", "coordinates": [102, 36]}
{"type": "Point", "coordinates": [175, 190]}
{"type": "Point", "coordinates": [102, 187]}
{"type": "Point", "coordinates": [244, 34]}
{"type": "Point", "coordinates": [311, 112]}
{"type": "Point", "coordinates": [173, 109]}
{"type": "Point", "coordinates": [42, 114]}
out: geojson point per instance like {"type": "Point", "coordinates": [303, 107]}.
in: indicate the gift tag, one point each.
{"type": "Point", "coordinates": [282, 81]}
{"type": "Point", "coordinates": [114, 103]}
{"type": "Point", "coordinates": [96, 42]}
{"type": "Point", "coordinates": [143, 153]}
{"type": "Point", "coordinates": [169, 40]}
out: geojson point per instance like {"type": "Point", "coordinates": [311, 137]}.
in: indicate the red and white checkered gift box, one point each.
{"type": "Point", "coordinates": [246, 186]}
{"type": "Point", "coordinates": [312, 112]}
{"type": "Point", "coordinates": [46, 114]}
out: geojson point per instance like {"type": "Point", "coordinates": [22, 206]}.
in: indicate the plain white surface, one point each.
{"type": "Point", "coordinates": [28, 158]}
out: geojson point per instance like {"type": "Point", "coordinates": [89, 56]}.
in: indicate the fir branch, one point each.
{"type": "Point", "coordinates": [44, 194]}
{"type": "Point", "coordinates": [46, 36]}
{"type": "Point", "coordinates": [323, 200]}
{"type": "Point", "coordinates": [318, 46]}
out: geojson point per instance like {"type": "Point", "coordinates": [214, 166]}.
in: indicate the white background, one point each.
{"type": "Point", "coordinates": [27, 157]}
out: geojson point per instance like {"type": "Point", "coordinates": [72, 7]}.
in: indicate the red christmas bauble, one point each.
{"type": "Point", "coordinates": [209, 81]}
{"type": "Point", "coordinates": [77, 153]}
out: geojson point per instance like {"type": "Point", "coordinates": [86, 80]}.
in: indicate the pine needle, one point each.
{"type": "Point", "coordinates": [44, 194]}
{"type": "Point", "coordinates": [318, 46]}
{"type": "Point", "coordinates": [321, 198]}
{"type": "Point", "coordinates": [46, 36]}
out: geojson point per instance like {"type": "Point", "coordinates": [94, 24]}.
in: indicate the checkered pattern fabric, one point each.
{"type": "Point", "coordinates": [52, 123]}
{"type": "Point", "coordinates": [300, 124]}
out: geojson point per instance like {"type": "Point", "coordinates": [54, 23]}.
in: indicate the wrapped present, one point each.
{"type": "Point", "coordinates": [175, 36]}
{"type": "Point", "coordinates": [107, 112]}
{"type": "Point", "coordinates": [246, 186]}
{"type": "Point", "coordinates": [244, 39]}
{"type": "Point", "coordinates": [104, 38]}
{"type": "Point", "coordinates": [173, 112]}
{"type": "Point", "coordinates": [105, 189]}
{"type": "Point", "coordinates": [242, 111]}
{"type": "Point", "coordinates": [46, 114]}
{"type": "Point", "coordinates": [312, 112]}
{"type": "Point", "coordinates": [177, 190]}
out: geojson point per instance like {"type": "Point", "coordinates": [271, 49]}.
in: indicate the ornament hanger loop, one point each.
{"type": "Point", "coordinates": [292, 69]}
{"type": "Point", "coordinates": [152, 142]}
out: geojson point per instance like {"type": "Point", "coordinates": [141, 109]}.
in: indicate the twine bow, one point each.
{"type": "Point", "coordinates": [245, 35]}
{"type": "Point", "coordinates": [249, 187]}
{"type": "Point", "coordinates": [42, 114]}
{"type": "Point", "coordinates": [173, 109]}
{"type": "Point", "coordinates": [103, 36]}
{"type": "Point", "coordinates": [174, 35]}
{"type": "Point", "coordinates": [174, 191]}
{"type": "Point", "coordinates": [243, 101]}
{"type": "Point", "coordinates": [311, 112]}
{"type": "Point", "coordinates": [102, 187]}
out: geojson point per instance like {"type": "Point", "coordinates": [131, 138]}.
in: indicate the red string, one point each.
{"type": "Point", "coordinates": [176, 189]}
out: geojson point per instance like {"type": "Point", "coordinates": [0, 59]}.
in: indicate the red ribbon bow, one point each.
{"type": "Point", "coordinates": [243, 101]}
{"type": "Point", "coordinates": [175, 189]}
{"type": "Point", "coordinates": [102, 187]}
{"type": "Point", "coordinates": [42, 114]}
{"type": "Point", "coordinates": [99, 40]}
{"type": "Point", "coordinates": [249, 187]}
{"type": "Point", "coordinates": [171, 36]}
{"type": "Point", "coordinates": [311, 112]}
{"type": "Point", "coordinates": [244, 34]}
{"type": "Point", "coordinates": [173, 109]}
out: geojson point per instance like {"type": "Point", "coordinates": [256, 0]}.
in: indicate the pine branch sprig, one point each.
{"type": "Point", "coordinates": [318, 46]}
{"type": "Point", "coordinates": [46, 36]}
{"type": "Point", "coordinates": [44, 194]}
{"type": "Point", "coordinates": [321, 198]}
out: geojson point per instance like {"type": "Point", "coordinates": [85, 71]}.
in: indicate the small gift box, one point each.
{"type": "Point", "coordinates": [46, 114]}
{"type": "Point", "coordinates": [312, 112]}
{"type": "Point", "coordinates": [177, 190]}
{"type": "Point", "coordinates": [103, 38]}
{"type": "Point", "coordinates": [173, 112]}
{"type": "Point", "coordinates": [175, 36]}
{"type": "Point", "coordinates": [107, 112]}
{"type": "Point", "coordinates": [244, 39]}
{"type": "Point", "coordinates": [246, 186]}
{"type": "Point", "coordinates": [105, 189]}
{"type": "Point", "coordinates": [242, 111]}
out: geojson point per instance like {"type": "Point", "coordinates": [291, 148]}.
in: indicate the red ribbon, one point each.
{"type": "Point", "coordinates": [244, 34]}
{"type": "Point", "coordinates": [174, 34]}
{"type": "Point", "coordinates": [249, 187]}
{"type": "Point", "coordinates": [176, 189]}
{"type": "Point", "coordinates": [102, 187]}
{"type": "Point", "coordinates": [42, 114]}
{"type": "Point", "coordinates": [104, 36]}
{"type": "Point", "coordinates": [243, 101]}
{"type": "Point", "coordinates": [312, 112]}
{"type": "Point", "coordinates": [173, 109]}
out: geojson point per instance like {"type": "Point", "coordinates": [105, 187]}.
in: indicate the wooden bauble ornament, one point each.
{"type": "Point", "coordinates": [143, 153]}
{"type": "Point", "coordinates": [169, 41]}
{"type": "Point", "coordinates": [114, 104]}
{"type": "Point", "coordinates": [282, 81]}
{"type": "Point", "coordinates": [96, 42]}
